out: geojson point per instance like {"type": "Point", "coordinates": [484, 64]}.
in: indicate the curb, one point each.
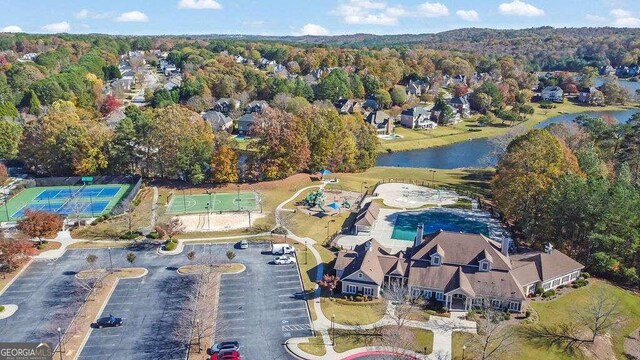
{"type": "Point", "coordinates": [16, 277]}
{"type": "Point", "coordinates": [9, 310]}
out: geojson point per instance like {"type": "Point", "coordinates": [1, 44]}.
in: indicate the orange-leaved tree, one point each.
{"type": "Point", "coordinates": [40, 224]}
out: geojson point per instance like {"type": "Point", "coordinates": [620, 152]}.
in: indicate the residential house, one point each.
{"type": "Point", "coordinates": [226, 105]}
{"type": "Point", "coordinates": [366, 218]}
{"type": "Point", "coordinates": [591, 95]}
{"type": "Point", "coordinates": [460, 79]}
{"type": "Point", "coordinates": [461, 105]}
{"type": "Point", "coordinates": [381, 121]}
{"type": "Point", "coordinates": [370, 104]}
{"type": "Point", "coordinates": [418, 117]}
{"type": "Point", "coordinates": [121, 85]}
{"type": "Point", "coordinates": [552, 93]}
{"type": "Point", "coordinates": [264, 63]}
{"type": "Point", "coordinates": [280, 70]}
{"type": "Point", "coordinates": [256, 106]}
{"type": "Point", "coordinates": [239, 59]}
{"type": "Point", "coordinates": [28, 57]}
{"type": "Point", "coordinates": [218, 120]}
{"type": "Point", "coordinates": [459, 270]}
{"type": "Point", "coordinates": [347, 106]}
{"type": "Point", "coordinates": [245, 123]}
{"type": "Point", "coordinates": [173, 82]}
{"type": "Point", "coordinates": [416, 88]}
{"type": "Point", "coordinates": [607, 70]}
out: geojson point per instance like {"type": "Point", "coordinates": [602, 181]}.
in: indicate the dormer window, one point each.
{"type": "Point", "coordinates": [360, 276]}
{"type": "Point", "coordinates": [485, 266]}
{"type": "Point", "coordinates": [436, 260]}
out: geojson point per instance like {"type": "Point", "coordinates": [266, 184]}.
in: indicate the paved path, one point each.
{"type": "Point", "coordinates": [441, 327]}
{"type": "Point", "coordinates": [154, 213]}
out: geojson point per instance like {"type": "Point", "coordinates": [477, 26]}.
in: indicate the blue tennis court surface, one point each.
{"type": "Point", "coordinates": [95, 192]}
{"type": "Point", "coordinates": [72, 208]}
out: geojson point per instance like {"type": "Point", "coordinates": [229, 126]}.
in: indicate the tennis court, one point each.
{"type": "Point", "coordinates": [199, 203]}
{"type": "Point", "coordinates": [69, 201]}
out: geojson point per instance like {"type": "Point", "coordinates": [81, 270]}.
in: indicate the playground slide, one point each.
{"type": "Point", "coordinates": [321, 208]}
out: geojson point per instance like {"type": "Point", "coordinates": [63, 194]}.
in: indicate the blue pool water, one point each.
{"type": "Point", "coordinates": [435, 220]}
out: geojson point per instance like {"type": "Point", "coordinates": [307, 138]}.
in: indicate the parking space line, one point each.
{"type": "Point", "coordinates": [292, 301]}
{"type": "Point", "coordinates": [112, 303]}
{"type": "Point", "coordinates": [289, 288]}
{"type": "Point", "coordinates": [18, 291]}
{"type": "Point", "coordinates": [235, 319]}
{"type": "Point", "coordinates": [233, 312]}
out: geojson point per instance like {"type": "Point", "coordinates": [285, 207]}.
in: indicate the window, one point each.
{"type": "Point", "coordinates": [546, 286]}
{"type": "Point", "coordinates": [565, 279]}
{"type": "Point", "coordinates": [427, 294]}
{"type": "Point", "coordinates": [477, 301]}
{"type": "Point", "coordinates": [435, 259]}
{"type": "Point", "coordinates": [440, 296]}
{"type": "Point", "coordinates": [531, 289]}
{"type": "Point", "coordinates": [351, 289]}
{"type": "Point", "coordinates": [556, 282]}
{"type": "Point", "coordinates": [359, 275]}
{"type": "Point", "coordinates": [496, 303]}
{"type": "Point", "coordinates": [367, 291]}
{"type": "Point", "coordinates": [514, 306]}
{"type": "Point", "coordinates": [415, 293]}
{"type": "Point", "coordinates": [574, 275]}
{"type": "Point", "coordinates": [484, 266]}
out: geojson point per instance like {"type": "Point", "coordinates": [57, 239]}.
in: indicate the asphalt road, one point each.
{"type": "Point", "coordinates": [259, 307]}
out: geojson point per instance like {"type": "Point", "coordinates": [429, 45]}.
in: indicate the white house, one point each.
{"type": "Point", "coordinates": [552, 93]}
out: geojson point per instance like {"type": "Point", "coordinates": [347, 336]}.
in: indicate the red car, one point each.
{"type": "Point", "coordinates": [226, 355]}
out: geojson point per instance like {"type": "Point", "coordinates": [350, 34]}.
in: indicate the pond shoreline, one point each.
{"type": "Point", "coordinates": [386, 145]}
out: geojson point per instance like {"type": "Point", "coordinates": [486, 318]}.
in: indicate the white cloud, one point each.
{"type": "Point", "coordinates": [87, 14]}
{"type": "Point", "coordinates": [432, 10]}
{"type": "Point", "coordinates": [468, 15]}
{"type": "Point", "coordinates": [312, 29]}
{"type": "Point", "coordinates": [253, 23]}
{"type": "Point", "coordinates": [199, 4]}
{"type": "Point", "coordinates": [620, 13]}
{"type": "Point", "coordinates": [11, 29]}
{"type": "Point", "coordinates": [57, 27]}
{"type": "Point", "coordinates": [595, 18]}
{"type": "Point", "coordinates": [519, 8]}
{"type": "Point", "coordinates": [380, 13]}
{"type": "Point", "coordinates": [624, 18]}
{"type": "Point", "coordinates": [133, 16]}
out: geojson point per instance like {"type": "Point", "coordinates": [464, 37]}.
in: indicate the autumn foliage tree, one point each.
{"type": "Point", "coordinates": [4, 174]}
{"type": "Point", "coordinates": [224, 165]}
{"type": "Point", "coordinates": [40, 224]}
{"type": "Point", "coordinates": [280, 148]}
{"type": "Point", "coordinates": [109, 105]}
{"type": "Point", "coordinates": [329, 282]}
{"type": "Point", "coordinates": [14, 253]}
{"type": "Point", "coordinates": [533, 162]}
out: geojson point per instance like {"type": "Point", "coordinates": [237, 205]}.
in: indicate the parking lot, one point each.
{"type": "Point", "coordinates": [262, 306]}
{"type": "Point", "coordinates": [258, 307]}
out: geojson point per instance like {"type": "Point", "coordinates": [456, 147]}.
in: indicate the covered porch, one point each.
{"type": "Point", "coordinates": [458, 300]}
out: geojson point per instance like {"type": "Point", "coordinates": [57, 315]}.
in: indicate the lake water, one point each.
{"type": "Point", "coordinates": [473, 153]}
{"type": "Point", "coordinates": [631, 86]}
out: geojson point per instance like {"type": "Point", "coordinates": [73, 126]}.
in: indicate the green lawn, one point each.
{"type": "Point", "coordinates": [315, 346]}
{"type": "Point", "coordinates": [562, 310]}
{"type": "Point", "coordinates": [345, 340]}
{"type": "Point", "coordinates": [358, 313]}
{"type": "Point", "coordinates": [469, 129]}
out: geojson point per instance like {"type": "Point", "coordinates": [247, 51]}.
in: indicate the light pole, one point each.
{"type": "Point", "coordinates": [198, 330]}
{"type": "Point", "coordinates": [60, 342]}
{"type": "Point", "coordinates": [208, 213]}
{"type": "Point", "coordinates": [362, 185]}
{"type": "Point", "coordinates": [433, 176]}
{"type": "Point", "coordinates": [110, 261]}
{"type": "Point", "coordinates": [91, 204]}
{"type": "Point", "coordinates": [464, 347]}
{"type": "Point", "coordinates": [209, 210]}
{"type": "Point", "coordinates": [333, 330]}
{"type": "Point", "coordinates": [249, 213]}
{"type": "Point", "coordinates": [306, 251]}
{"type": "Point", "coordinates": [184, 201]}
{"type": "Point", "coordinates": [238, 199]}
{"type": "Point", "coordinates": [328, 226]}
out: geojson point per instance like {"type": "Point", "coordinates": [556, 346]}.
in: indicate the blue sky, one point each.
{"type": "Point", "coordinates": [298, 17]}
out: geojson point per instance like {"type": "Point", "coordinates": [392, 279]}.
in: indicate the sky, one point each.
{"type": "Point", "coordinates": [306, 17]}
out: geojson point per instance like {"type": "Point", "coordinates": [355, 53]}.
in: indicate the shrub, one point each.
{"type": "Point", "coordinates": [527, 314]}
{"type": "Point", "coordinates": [546, 105]}
{"type": "Point", "coordinates": [579, 283]}
{"type": "Point", "coordinates": [1, 308]}
{"type": "Point", "coordinates": [471, 314]}
{"type": "Point", "coordinates": [153, 235]}
{"type": "Point", "coordinates": [40, 246]}
{"type": "Point", "coordinates": [359, 298]}
{"type": "Point", "coordinates": [431, 312]}
{"type": "Point", "coordinates": [130, 235]}
{"type": "Point", "coordinates": [539, 290]}
{"type": "Point", "coordinates": [507, 315]}
{"type": "Point", "coordinates": [549, 293]}
{"type": "Point", "coordinates": [280, 231]}
{"type": "Point", "coordinates": [170, 245]}
{"type": "Point", "coordinates": [561, 287]}
{"type": "Point", "coordinates": [585, 275]}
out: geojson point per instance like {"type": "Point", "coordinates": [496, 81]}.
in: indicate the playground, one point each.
{"type": "Point", "coordinates": [69, 201]}
{"type": "Point", "coordinates": [327, 202]}
{"type": "Point", "coordinates": [182, 203]}
{"type": "Point", "coordinates": [409, 196]}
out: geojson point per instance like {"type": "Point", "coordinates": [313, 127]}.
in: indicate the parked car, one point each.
{"type": "Point", "coordinates": [282, 249]}
{"type": "Point", "coordinates": [244, 244]}
{"type": "Point", "coordinates": [224, 345]}
{"type": "Point", "coordinates": [108, 321]}
{"type": "Point", "coordinates": [284, 260]}
{"type": "Point", "coordinates": [226, 355]}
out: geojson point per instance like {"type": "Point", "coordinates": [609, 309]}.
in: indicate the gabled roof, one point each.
{"type": "Point", "coordinates": [459, 281]}
{"type": "Point", "coordinates": [548, 265]}
{"type": "Point", "coordinates": [461, 249]}
{"type": "Point", "coordinates": [378, 118]}
{"type": "Point", "coordinates": [368, 215]}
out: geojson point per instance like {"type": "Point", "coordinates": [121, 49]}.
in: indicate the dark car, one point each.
{"type": "Point", "coordinates": [226, 355]}
{"type": "Point", "coordinates": [109, 321]}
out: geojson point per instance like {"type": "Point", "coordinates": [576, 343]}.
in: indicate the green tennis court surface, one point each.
{"type": "Point", "coordinates": [71, 201]}
{"type": "Point", "coordinates": [199, 203]}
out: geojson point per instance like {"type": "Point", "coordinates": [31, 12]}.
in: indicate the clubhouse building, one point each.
{"type": "Point", "coordinates": [458, 269]}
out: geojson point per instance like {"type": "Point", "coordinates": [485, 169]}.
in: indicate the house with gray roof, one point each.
{"type": "Point", "coordinates": [416, 88]}
{"type": "Point", "coordinates": [245, 123]}
{"type": "Point", "coordinates": [381, 121]}
{"type": "Point", "coordinates": [461, 105]}
{"type": "Point", "coordinates": [552, 93]}
{"type": "Point", "coordinates": [418, 117]}
{"type": "Point", "coordinates": [459, 270]}
{"type": "Point", "coordinates": [217, 120]}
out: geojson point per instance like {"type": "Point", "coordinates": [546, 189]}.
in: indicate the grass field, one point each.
{"type": "Point", "coordinates": [203, 203]}
{"type": "Point", "coordinates": [562, 310]}
{"type": "Point", "coordinates": [89, 201]}
{"type": "Point", "coordinates": [470, 129]}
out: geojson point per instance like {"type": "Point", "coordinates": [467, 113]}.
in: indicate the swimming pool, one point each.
{"type": "Point", "coordinates": [436, 220]}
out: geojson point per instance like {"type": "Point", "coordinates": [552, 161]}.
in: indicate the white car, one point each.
{"type": "Point", "coordinates": [284, 260]}
{"type": "Point", "coordinates": [244, 244]}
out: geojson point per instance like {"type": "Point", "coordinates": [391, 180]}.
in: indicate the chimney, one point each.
{"type": "Point", "coordinates": [505, 246]}
{"type": "Point", "coordinates": [419, 235]}
{"type": "Point", "coordinates": [548, 248]}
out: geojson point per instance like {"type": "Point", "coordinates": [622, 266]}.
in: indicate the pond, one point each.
{"type": "Point", "coordinates": [474, 153]}
{"type": "Point", "coordinates": [630, 86]}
